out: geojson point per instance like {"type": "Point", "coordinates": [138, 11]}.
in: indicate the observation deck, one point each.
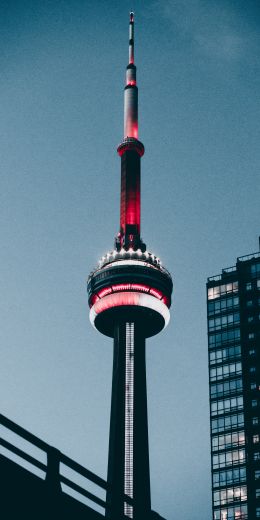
{"type": "Point", "coordinates": [131, 286]}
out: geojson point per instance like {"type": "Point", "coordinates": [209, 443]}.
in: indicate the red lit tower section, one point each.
{"type": "Point", "coordinates": [129, 298]}
{"type": "Point", "coordinates": [131, 151]}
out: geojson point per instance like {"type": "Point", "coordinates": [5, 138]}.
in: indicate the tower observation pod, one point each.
{"type": "Point", "coordinates": [129, 295]}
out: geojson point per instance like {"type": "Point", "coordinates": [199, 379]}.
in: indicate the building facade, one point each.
{"type": "Point", "coordinates": [233, 300]}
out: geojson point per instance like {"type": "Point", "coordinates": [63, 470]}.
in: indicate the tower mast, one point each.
{"type": "Point", "coordinates": [129, 298]}
{"type": "Point", "coordinates": [131, 151]}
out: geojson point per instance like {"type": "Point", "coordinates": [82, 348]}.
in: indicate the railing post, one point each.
{"type": "Point", "coordinates": [53, 471]}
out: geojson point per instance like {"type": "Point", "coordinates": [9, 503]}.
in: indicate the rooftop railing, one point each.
{"type": "Point", "coordinates": [249, 257]}
{"type": "Point", "coordinates": [232, 269]}
{"type": "Point", "coordinates": [219, 277]}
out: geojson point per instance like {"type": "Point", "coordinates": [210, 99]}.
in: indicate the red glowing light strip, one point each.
{"type": "Point", "coordinates": [116, 300]}
{"type": "Point", "coordinates": [130, 287]}
{"type": "Point", "coordinates": [130, 299]}
{"type": "Point", "coordinates": [104, 292]}
{"type": "Point", "coordinates": [157, 294]}
{"type": "Point", "coordinates": [139, 287]}
{"type": "Point", "coordinates": [121, 287]}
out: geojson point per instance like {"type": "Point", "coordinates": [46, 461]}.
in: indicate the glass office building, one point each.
{"type": "Point", "coordinates": [233, 300]}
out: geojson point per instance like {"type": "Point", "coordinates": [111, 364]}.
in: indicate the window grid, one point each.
{"type": "Point", "coordinates": [221, 290]}
{"type": "Point", "coordinates": [224, 321]}
{"type": "Point", "coordinates": [222, 355]}
{"type": "Point", "coordinates": [227, 336]}
{"type": "Point", "coordinates": [225, 371]}
{"type": "Point", "coordinates": [237, 512]}
{"type": "Point", "coordinates": [229, 458]}
{"type": "Point", "coordinates": [227, 417]}
{"type": "Point", "coordinates": [228, 422]}
{"type": "Point", "coordinates": [222, 305]}
{"type": "Point", "coordinates": [228, 440]}
{"type": "Point", "coordinates": [228, 495]}
{"type": "Point", "coordinates": [230, 476]}
{"type": "Point", "coordinates": [228, 387]}
{"type": "Point", "coordinates": [226, 405]}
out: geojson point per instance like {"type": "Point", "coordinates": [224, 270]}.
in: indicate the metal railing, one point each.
{"type": "Point", "coordinates": [215, 278]}
{"type": "Point", "coordinates": [228, 270]}
{"type": "Point", "coordinates": [225, 271]}
{"type": "Point", "coordinates": [248, 257]}
{"type": "Point", "coordinates": [53, 476]}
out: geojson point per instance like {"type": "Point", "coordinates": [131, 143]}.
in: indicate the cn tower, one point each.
{"type": "Point", "coordinates": [129, 298]}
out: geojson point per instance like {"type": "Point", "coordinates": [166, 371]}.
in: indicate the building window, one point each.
{"type": "Point", "coordinates": [226, 405]}
{"type": "Point", "coordinates": [224, 321]}
{"type": "Point", "coordinates": [258, 284]}
{"type": "Point", "coordinates": [250, 319]}
{"type": "Point", "coordinates": [252, 370]}
{"type": "Point", "coordinates": [220, 290]}
{"type": "Point", "coordinates": [255, 439]}
{"type": "Point", "coordinates": [251, 352]}
{"type": "Point", "coordinates": [222, 355]}
{"type": "Point", "coordinates": [230, 476]}
{"type": "Point", "coordinates": [230, 495]}
{"type": "Point", "coordinates": [255, 269]}
{"type": "Point", "coordinates": [253, 386]}
{"type": "Point", "coordinates": [257, 512]}
{"type": "Point", "coordinates": [257, 455]}
{"type": "Point", "coordinates": [249, 286]}
{"type": "Point", "coordinates": [225, 371]}
{"type": "Point", "coordinates": [229, 458]}
{"type": "Point", "coordinates": [257, 474]}
{"type": "Point", "coordinates": [251, 335]}
{"type": "Point", "coordinates": [228, 422]}
{"type": "Point", "coordinates": [232, 386]}
{"type": "Point", "coordinates": [249, 303]}
{"type": "Point", "coordinates": [229, 440]}
{"type": "Point", "coordinates": [257, 493]}
{"type": "Point", "coordinates": [255, 421]}
{"type": "Point", "coordinates": [254, 403]}
{"type": "Point", "coordinates": [227, 336]}
{"type": "Point", "coordinates": [222, 305]}
{"type": "Point", "coordinates": [237, 512]}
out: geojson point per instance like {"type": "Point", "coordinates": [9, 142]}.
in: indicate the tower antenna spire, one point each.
{"type": "Point", "coordinates": [131, 38]}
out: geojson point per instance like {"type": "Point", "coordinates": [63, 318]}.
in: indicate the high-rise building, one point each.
{"type": "Point", "coordinates": [129, 297]}
{"type": "Point", "coordinates": [233, 299]}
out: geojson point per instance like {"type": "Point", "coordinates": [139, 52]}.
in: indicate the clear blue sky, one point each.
{"type": "Point", "coordinates": [62, 67]}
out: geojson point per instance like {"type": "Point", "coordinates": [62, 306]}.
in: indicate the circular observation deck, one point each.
{"type": "Point", "coordinates": [130, 286]}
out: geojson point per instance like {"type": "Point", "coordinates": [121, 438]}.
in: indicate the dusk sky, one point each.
{"type": "Point", "coordinates": [62, 67]}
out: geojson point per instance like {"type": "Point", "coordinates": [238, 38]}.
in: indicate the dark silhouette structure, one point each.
{"type": "Point", "coordinates": [38, 482]}
{"type": "Point", "coordinates": [129, 297]}
{"type": "Point", "coordinates": [234, 375]}
{"type": "Point", "coordinates": [31, 488]}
